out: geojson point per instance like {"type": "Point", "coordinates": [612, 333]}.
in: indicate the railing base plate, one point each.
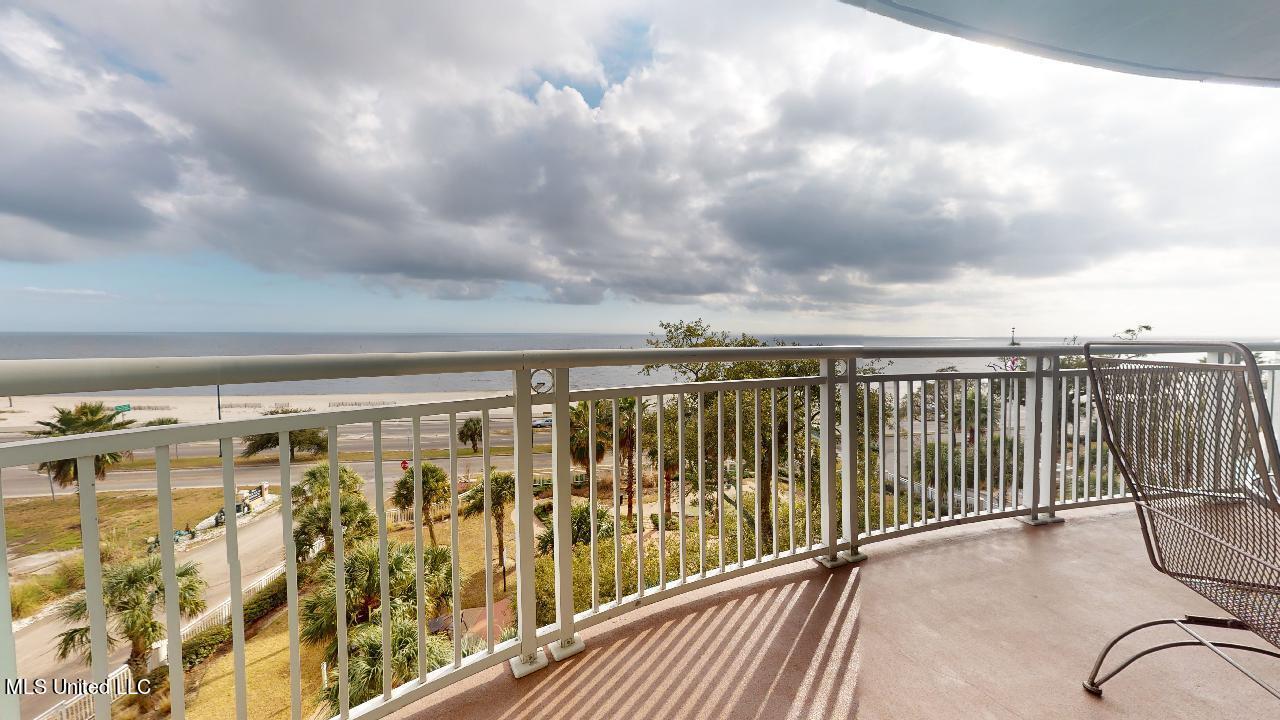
{"type": "Point", "coordinates": [560, 651]}
{"type": "Point", "coordinates": [832, 562]}
{"type": "Point", "coordinates": [851, 557]}
{"type": "Point", "coordinates": [520, 668]}
{"type": "Point", "coordinates": [1041, 520]}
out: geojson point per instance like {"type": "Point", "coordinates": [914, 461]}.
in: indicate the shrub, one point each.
{"type": "Point", "coordinates": [271, 596]}
{"type": "Point", "coordinates": [26, 597]}
{"type": "Point", "coordinates": [197, 648]}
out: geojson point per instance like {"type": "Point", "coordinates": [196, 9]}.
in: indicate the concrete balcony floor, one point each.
{"type": "Point", "coordinates": [992, 620]}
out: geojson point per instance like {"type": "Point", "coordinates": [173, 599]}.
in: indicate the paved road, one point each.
{"type": "Point", "coordinates": [261, 548]}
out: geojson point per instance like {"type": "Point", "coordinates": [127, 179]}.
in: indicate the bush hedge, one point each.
{"type": "Point", "coordinates": [197, 648]}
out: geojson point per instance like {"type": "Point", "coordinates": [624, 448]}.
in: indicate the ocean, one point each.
{"type": "Point", "coordinates": [109, 345]}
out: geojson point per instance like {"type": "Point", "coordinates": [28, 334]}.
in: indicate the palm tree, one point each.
{"type": "Point", "coordinates": [313, 489]}
{"type": "Point", "coordinates": [86, 417]}
{"type": "Point", "coordinates": [435, 490]}
{"type": "Point", "coordinates": [133, 592]}
{"type": "Point", "coordinates": [312, 441]}
{"type": "Point", "coordinates": [627, 445]}
{"type": "Point", "coordinates": [502, 495]}
{"type": "Point", "coordinates": [580, 438]}
{"type": "Point", "coordinates": [364, 590]}
{"type": "Point", "coordinates": [471, 432]}
{"type": "Point", "coordinates": [315, 522]}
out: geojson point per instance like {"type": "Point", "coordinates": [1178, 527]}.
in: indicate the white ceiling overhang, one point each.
{"type": "Point", "coordinates": [1225, 40]}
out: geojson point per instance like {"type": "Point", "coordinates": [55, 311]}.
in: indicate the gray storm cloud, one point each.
{"type": "Point", "coordinates": [753, 154]}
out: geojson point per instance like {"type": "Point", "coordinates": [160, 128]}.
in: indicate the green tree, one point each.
{"type": "Point", "coordinates": [364, 590]}
{"type": "Point", "coordinates": [133, 592]}
{"type": "Point", "coordinates": [312, 442]}
{"type": "Point", "coordinates": [315, 522]}
{"type": "Point", "coordinates": [86, 417]}
{"type": "Point", "coordinates": [313, 488]}
{"type": "Point", "coordinates": [502, 495]}
{"type": "Point", "coordinates": [579, 527]}
{"type": "Point", "coordinates": [471, 433]}
{"type": "Point", "coordinates": [584, 441]}
{"type": "Point", "coordinates": [435, 490]}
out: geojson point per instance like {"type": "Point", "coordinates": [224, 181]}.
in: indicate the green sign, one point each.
{"type": "Point", "coordinates": [124, 408]}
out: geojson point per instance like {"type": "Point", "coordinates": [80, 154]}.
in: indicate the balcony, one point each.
{"type": "Point", "coordinates": [931, 499]}
{"type": "Point", "coordinates": [997, 620]}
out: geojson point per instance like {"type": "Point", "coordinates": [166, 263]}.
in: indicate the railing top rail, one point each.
{"type": "Point", "coordinates": [41, 377]}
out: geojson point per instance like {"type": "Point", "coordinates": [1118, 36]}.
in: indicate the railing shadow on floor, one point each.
{"type": "Point", "coordinates": [779, 647]}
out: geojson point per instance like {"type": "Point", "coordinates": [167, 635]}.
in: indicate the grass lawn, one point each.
{"type": "Point", "coordinates": [211, 693]}
{"type": "Point", "coordinates": [126, 519]}
{"type": "Point", "coordinates": [213, 461]}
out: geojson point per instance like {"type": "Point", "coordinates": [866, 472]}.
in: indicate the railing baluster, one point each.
{"type": "Point", "coordinates": [339, 573]}
{"type": "Point", "coordinates": [880, 400]}
{"type": "Point", "coordinates": [951, 448]}
{"type": "Point", "coordinates": [8, 647]}
{"type": "Point", "coordinates": [1020, 458]}
{"type": "Point", "coordinates": [455, 549]}
{"type": "Point", "coordinates": [169, 569]}
{"type": "Point", "coordinates": [662, 497]}
{"type": "Point", "coordinates": [530, 657]}
{"type": "Point", "coordinates": [719, 475]}
{"type": "Point", "coordinates": [773, 473]}
{"type": "Point", "coordinates": [419, 559]}
{"type": "Point", "coordinates": [991, 388]}
{"type": "Point", "coordinates": [1075, 437]}
{"type": "Point", "coordinates": [291, 579]}
{"type": "Point", "coordinates": [702, 491]}
{"type": "Point", "coordinates": [964, 443]}
{"type": "Point", "coordinates": [384, 571]}
{"type": "Point", "coordinates": [617, 509]}
{"type": "Point", "coordinates": [1005, 426]}
{"type": "Point", "coordinates": [86, 479]}
{"type": "Point", "coordinates": [866, 455]}
{"type": "Point", "coordinates": [1090, 489]}
{"type": "Point", "coordinates": [897, 453]}
{"type": "Point", "coordinates": [808, 470]}
{"type": "Point", "coordinates": [1062, 439]}
{"type": "Point", "coordinates": [568, 642]}
{"type": "Point", "coordinates": [848, 451]}
{"type": "Point", "coordinates": [592, 478]}
{"type": "Point", "coordinates": [490, 635]}
{"type": "Point", "coordinates": [737, 468]}
{"type": "Point", "coordinates": [756, 452]}
{"type": "Point", "coordinates": [791, 469]}
{"type": "Point", "coordinates": [638, 458]}
{"type": "Point", "coordinates": [924, 453]}
{"type": "Point", "coordinates": [911, 452]}
{"type": "Point", "coordinates": [937, 450]}
{"type": "Point", "coordinates": [680, 494]}
{"type": "Point", "coordinates": [233, 567]}
{"type": "Point", "coordinates": [991, 410]}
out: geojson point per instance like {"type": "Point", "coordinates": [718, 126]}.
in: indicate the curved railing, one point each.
{"type": "Point", "coordinates": [735, 476]}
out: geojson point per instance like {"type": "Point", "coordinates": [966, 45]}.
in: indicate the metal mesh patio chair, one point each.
{"type": "Point", "coordinates": [1195, 445]}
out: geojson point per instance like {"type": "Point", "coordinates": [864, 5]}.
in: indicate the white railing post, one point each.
{"type": "Point", "coordinates": [568, 643]}
{"type": "Point", "coordinates": [827, 460]}
{"type": "Point", "coordinates": [1038, 469]}
{"type": "Point", "coordinates": [8, 649]}
{"type": "Point", "coordinates": [849, 462]}
{"type": "Point", "coordinates": [531, 657]}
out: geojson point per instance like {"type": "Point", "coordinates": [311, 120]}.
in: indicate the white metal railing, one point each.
{"type": "Point", "coordinates": [757, 472]}
{"type": "Point", "coordinates": [80, 707]}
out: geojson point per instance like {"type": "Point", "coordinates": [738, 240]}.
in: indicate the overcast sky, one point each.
{"type": "Point", "coordinates": [597, 166]}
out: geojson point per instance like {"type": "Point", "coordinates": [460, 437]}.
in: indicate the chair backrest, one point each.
{"type": "Point", "coordinates": [1195, 446]}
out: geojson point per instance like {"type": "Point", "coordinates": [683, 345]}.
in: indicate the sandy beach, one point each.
{"type": "Point", "coordinates": [26, 411]}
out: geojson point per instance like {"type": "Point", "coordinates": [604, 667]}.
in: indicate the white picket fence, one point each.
{"type": "Point", "coordinates": [80, 707]}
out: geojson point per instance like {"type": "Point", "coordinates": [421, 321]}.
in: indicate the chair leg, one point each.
{"type": "Point", "coordinates": [1093, 685]}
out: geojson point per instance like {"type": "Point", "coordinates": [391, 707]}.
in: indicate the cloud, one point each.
{"type": "Point", "coordinates": [800, 156]}
{"type": "Point", "coordinates": [78, 292]}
